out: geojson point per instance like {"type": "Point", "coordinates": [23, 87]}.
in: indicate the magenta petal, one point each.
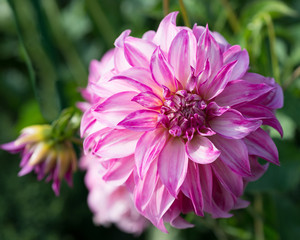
{"type": "Point", "coordinates": [149, 100]}
{"type": "Point", "coordinates": [162, 72]}
{"type": "Point", "coordinates": [234, 154]}
{"type": "Point", "coordinates": [239, 91]}
{"type": "Point", "coordinates": [166, 31]}
{"type": "Point", "coordinates": [192, 189]}
{"type": "Point", "coordinates": [118, 144]}
{"type": "Point", "coordinates": [11, 147]}
{"type": "Point", "coordinates": [233, 125]}
{"type": "Point", "coordinates": [113, 109]}
{"type": "Point", "coordinates": [257, 169]}
{"type": "Point", "coordinates": [215, 86]}
{"type": "Point", "coordinates": [119, 170]}
{"type": "Point", "coordinates": [120, 61]}
{"type": "Point", "coordinates": [172, 165]}
{"type": "Point", "coordinates": [259, 143]}
{"type": "Point", "coordinates": [229, 180]}
{"type": "Point", "coordinates": [138, 51]}
{"type": "Point", "coordinates": [201, 150]}
{"type": "Point", "coordinates": [253, 111]}
{"type": "Point", "coordinates": [241, 57]}
{"type": "Point", "coordinates": [179, 56]}
{"type": "Point", "coordinates": [141, 120]}
{"type": "Point", "coordinates": [147, 149]}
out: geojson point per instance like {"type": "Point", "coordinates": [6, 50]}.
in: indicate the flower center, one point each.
{"type": "Point", "coordinates": [183, 113]}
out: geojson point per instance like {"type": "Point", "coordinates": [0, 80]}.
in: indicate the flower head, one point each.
{"type": "Point", "coordinates": [110, 203]}
{"type": "Point", "coordinates": [177, 116]}
{"type": "Point", "coordinates": [47, 151]}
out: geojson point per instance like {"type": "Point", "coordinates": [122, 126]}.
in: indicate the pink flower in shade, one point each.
{"type": "Point", "coordinates": [42, 155]}
{"type": "Point", "coordinates": [177, 117]}
{"type": "Point", "coordinates": [110, 203]}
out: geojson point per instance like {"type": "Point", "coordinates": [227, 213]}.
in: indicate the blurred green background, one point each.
{"type": "Point", "coordinates": [45, 50]}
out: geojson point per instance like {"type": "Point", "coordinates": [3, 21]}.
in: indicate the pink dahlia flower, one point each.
{"type": "Point", "coordinates": [110, 203]}
{"type": "Point", "coordinates": [42, 155]}
{"type": "Point", "coordinates": [177, 117]}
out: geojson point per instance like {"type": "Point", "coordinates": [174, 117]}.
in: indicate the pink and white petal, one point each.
{"type": "Point", "coordinates": [118, 143]}
{"type": "Point", "coordinates": [166, 32]}
{"type": "Point", "coordinates": [138, 51]}
{"type": "Point", "coordinates": [162, 72]}
{"type": "Point", "coordinates": [234, 154]}
{"type": "Point", "coordinates": [119, 170]}
{"type": "Point", "coordinates": [214, 110]}
{"type": "Point", "coordinates": [233, 125]}
{"type": "Point", "coordinates": [230, 180]}
{"type": "Point", "coordinates": [115, 108]}
{"type": "Point", "coordinates": [149, 35]}
{"type": "Point", "coordinates": [201, 150]}
{"type": "Point", "coordinates": [120, 61]}
{"type": "Point", "coordinates": [148, 100]}
{"type": "Point", "coordinates": [208, 50]}
{"type": "Point", "coordinates": [191, 187]}
{"type": "Point", "coordinates": [148, 148]}
{"type": "Point", "coordinates": [239, 91]}
{"type": "Point", "coordinates": [206, 181]}
{"type": "Point", "coordinates": [12, 147]}
{"type": "Point", "coordinates": [213, 87]}
{"type": "Point", "coordinates": [259, 143]}
{"type": "Point", "coordinates": [139, 78]}
{"type": "Point", "coordinates": [172, 165]}
{"type": "Point", "coordinates": [141, 120]}
{"type": "Point", "coordinates": [179, 56]}
{"type": "Point", "coordinates": [145, 186]}
{"type": "Point", "coordinates": [241, 57]}
{"type": "Point", "coordinates": [160, 202]}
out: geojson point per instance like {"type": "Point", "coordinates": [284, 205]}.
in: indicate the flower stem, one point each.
{"type": "Point", "coordinates": [272, 38]}
{"type": "Point", "coordinates": [184, 14]}
{"type": "Point", "coordinates": [258, 221]}
{"type": "Point", "coordinates": [292, 78]}
{"type": "Point", "coordinates": [232, 18]}
{"type": "Point", "coordinates": [166, 7]}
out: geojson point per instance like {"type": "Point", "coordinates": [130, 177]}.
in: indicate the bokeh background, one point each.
{"type": "Point", "coordinates": [45, 50]}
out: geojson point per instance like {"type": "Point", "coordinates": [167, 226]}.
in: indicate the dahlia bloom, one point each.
{"type": "Point", "coordinates": [44, 156]}
{"type": "Point", "coordinates": [110, 203]}
{"type": "Point", "coordinates": [177, 117]}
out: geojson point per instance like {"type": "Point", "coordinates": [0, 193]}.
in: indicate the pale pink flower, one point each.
{"type": "Point", "coordinates": [56, 160]}
{"type": "Point", "coordinates": [110, 203]}
{"type": "Point", "coordinates": [176, 116]}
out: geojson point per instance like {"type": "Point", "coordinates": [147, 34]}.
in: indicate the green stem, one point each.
{"type": "Point", "coordinates": [272, 38]}
{"type": "Point", "coordinates": [258, 220]}
{"type": "Point", "coordinates": [166, 7]}
{"type": "Point", "coordinates": [232, 18]}
{"type": "Point", "coordinates": [184, 14]}
{"type": "Point", "coordinates": [292, 78]}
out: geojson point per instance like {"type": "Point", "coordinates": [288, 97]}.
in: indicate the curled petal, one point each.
{"type": "Point", "coordinates": [241, 57]}
{"type": "Point", "coordinates": [172, 165]}
{"type": "Point", "coordinates": [201, 150]}
{"type": "Point", "coordinates": [138, 51]}
{"type": "Point", "coordinates": [259, 143]}
{"type": "Point", "coordinates": [162, 72]}
{"type": "Point", "coordinates": [166, 31]}
{"type": "Point", "coordinates": [233, 125]}
{"type": "Point", "coordinates": [179, 56]}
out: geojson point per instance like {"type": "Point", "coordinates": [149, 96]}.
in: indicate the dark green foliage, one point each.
{"type": "Point", "coordinates": [46, 47]}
